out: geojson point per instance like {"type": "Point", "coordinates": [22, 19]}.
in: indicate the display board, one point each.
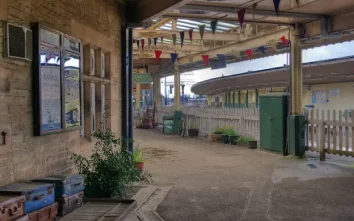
{"type": "Point", "coordinates": [57, 70]}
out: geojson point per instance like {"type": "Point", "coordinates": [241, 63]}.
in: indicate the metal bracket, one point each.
{"type": "Point", "coordinates": [324, 26]}
{"type": "Point", "coordinates": [3, 138]}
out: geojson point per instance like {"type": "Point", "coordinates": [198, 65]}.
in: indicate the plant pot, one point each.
{"type": "Point", "coordinates": [252, 144]}
{"type": "Point", "coordinates": [212, 137]}
{"type": "Point", "coordinates": [193, 132]}
{"type": "Point", "coordinates": [218, 137]}
{"type": "Point", "coordinates": [233, 139]}
{"type": "Point", "coordinates": [225, 139]}
{"type": "Point", "coordinates": [139, 166]}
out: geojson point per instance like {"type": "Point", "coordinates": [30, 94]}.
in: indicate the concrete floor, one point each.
{"type": "Point", "coordinates": [220, 182]}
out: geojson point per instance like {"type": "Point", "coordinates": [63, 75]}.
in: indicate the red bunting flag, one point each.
{"type": "Point", "coordinates": [142, 43]}
{"type": "Point", "coordinates": [157, 55]}
{"type": "Point", "coordinates": [190, 32]}
{"type": "Point", "coordinates": [249, 53]}
{"type": "Point", "coordinates": [241, 16]}
{"type": "Point", "coordinates": [283, 39]}
{"type": "Point", "coordinates": [205, 59]}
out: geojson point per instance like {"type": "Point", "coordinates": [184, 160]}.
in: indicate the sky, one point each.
{"type": "Point", "coordinates": [309, 55]}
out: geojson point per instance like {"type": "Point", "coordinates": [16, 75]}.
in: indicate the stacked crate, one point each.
{"type": "Point", "coordinates": [68, 191]}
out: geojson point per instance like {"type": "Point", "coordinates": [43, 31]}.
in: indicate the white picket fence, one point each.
{"type": "Point", "coordinates": [330, 131]}
{"type": "Point", "coordinates": [207, 119]}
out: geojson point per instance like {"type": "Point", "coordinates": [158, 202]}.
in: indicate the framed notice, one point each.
{"type": "Point", "coordinates": [57, 83]}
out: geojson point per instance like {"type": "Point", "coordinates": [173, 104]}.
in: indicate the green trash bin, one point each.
{"type": "Point", "coordinates": [167, 124]}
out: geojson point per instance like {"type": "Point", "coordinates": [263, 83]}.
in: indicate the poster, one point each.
{"type": "Point", "coordinates": [319, 97]}
{"type": "Point", "coordinates": [50, 91]}
{"type": "Point", "coordinates": [334, 92]}
{"type": "Point", "coordinates": [72, 90]}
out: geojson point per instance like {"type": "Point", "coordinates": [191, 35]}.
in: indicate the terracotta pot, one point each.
{"type": "Point", "coordinates": [139, 166]}
{"type": "Point", "coordinates": [218, 138]}
{"type": "Point", "coordinates": [212, 137]}
{"type": "Point", "coordinates": [193, 132]}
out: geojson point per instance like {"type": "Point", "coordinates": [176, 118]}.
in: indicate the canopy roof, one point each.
{"type": "Point", "coordinates": [318, 72]}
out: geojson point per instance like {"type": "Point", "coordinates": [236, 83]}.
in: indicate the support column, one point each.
{"type": "Point", "coordinates": [246, 100]}
{"type": "Point", "coordinates": [137, 97]}
{"type": "Point", "coordinates": [233, 99]}
{"type": "Point", "coordinates": [257, 98]}
{"type": "Point", "coordinates": [239, 99]}
{"type": "Point", "coordinates": [177, 82]}
{"type": "Point", "coordinates": [296, 73]}
{"type": "Point", "coordinates": [157, 89]}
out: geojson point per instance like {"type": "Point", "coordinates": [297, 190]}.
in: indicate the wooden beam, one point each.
{"type": "Point", "coordinates": [158, 24]}
{"type": "Point", "coordinates": [226, 36]}
{"type": "Point", "coordinates": [150, 9]}
{"type": "Point", "coordinates": [171, 47]}
{"type": "Point", "coordinates": [221, 18]}
{"type": "Point", "coordinates": [259, 12]}
{"type": "Point", "coordinates": [237, 46]}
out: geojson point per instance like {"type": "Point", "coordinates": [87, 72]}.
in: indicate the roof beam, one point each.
{"type": "Point", "coordinates": [223, 18]}
{"type": "Point", "coordinates": [150, 9]}
{"type": "Point", "coordinates": [227, 36]}
{"type": "Point", "coordinates": [237, 46]}
{"type": "Point", "coordinates": [159, 24]}
{"type": "Point", "coordinates": [187, 47]}
{"type": "Point", "coordinates": [256, 11]}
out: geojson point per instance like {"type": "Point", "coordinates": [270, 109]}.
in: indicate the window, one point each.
{"type": "Point", "coordinates": [94, 88]}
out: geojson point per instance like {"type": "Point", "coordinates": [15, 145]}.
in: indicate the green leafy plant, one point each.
{"type": "Point", "coordinates": [244, 139]}
{"type": "Point", "coordinates": [138, 156]}
{"type": "Point", "coordinates": [109, 171]}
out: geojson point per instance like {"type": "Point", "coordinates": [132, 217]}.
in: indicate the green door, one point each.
{"type": "Point", "coordinates": [273, 122]}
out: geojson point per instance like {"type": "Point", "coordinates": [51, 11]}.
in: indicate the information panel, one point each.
{"type": "Point", "coordinates": [57, 81]}
{"type": "Point", "coordinates": [72, 90]}
{"type": "Point", "coordinates": [50, 99]}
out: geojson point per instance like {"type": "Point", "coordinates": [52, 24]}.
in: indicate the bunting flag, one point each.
{"type": "Point", "coordinates": [149, 42]}
{"type": "Point", "coordinates": [190, 58]}
{"type": "Point", "coordinates": [155, 41]}
{"type": "Point", "coordinates": [142, 44]}
{"type": "Point", "coordinates": [201, 31]}
{"type": "Point", "coordinates": [249, 53]}
{"type": "Point", "coordinates": [161, 40]}
{"type": "Point", "coordinates": [157, 55]}
{"type": "Point", "coordinates": [190, 32]}
{"type": "Point", "coordinates": [205, 59]}
{"type": "Point", "coordinates": [273, 45]}
{"type": "Point", "coordinates": [254, 6]}
{"type": "Point", "coordinates": [174, 57]}
{"type": "Point", "coordinates": [297, 3]}
{"type": "Point", "coordinates": [174, 39]}
{"type": "Point", "coordinates": [241, 16]}
{"type": "Point", "coordinates": [133, 41]}
{"type": "Point", "coordinates": [238, 54]}
{"type": "Point", "coordinates": [285, 42]}
{"type": "Point", "coordinates": [181, 35]}
{"type": "Point", "coordinates": [138, 44]}
{"type": "Point", "coordinates": [276, 6]}
{"type": "Point", "coordinates": [213, 25]}
{"type": "Point", "coordinates": [262, 49]}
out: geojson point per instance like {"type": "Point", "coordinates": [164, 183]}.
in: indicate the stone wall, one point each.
{"type": "Point", "coordinates": [95, 22]}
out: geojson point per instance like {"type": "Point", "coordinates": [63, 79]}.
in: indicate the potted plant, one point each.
{"type": "Point", "coordinates": [138, 158]}
{"type": "Point", "coordinates": [215, 135]}
{"type": "Point", "coordinates": [193, 131]}
{"type": "Point", "coordinates": [233, 137]}
{"type": "Point", "coordinates": [248, 141]}
{"type": "Point", "coordinates": [218, 134]}
{"type": "Point", "coordinates": [225, 135]}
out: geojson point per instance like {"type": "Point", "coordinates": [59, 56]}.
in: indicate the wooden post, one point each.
{"type": "Point", "coordinates": [239, 99]}
{"type": "Point", "coordinates": [340, 132]}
